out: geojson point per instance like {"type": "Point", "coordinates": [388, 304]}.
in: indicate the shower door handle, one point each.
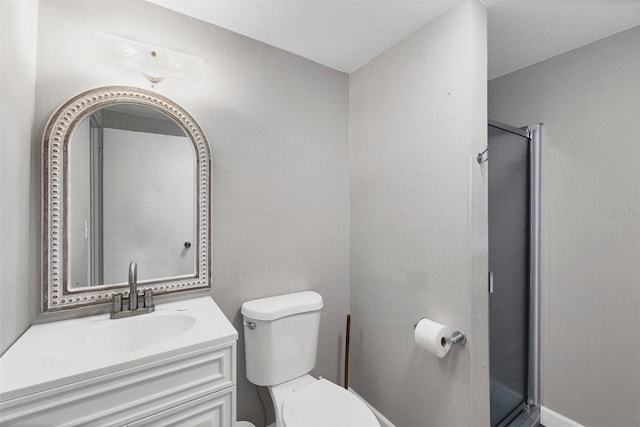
{"type": "Point", "coordinates": [490, 282]}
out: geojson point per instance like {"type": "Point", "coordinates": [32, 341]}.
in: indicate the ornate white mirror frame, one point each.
{"type": "Point", "coordinates": [56, 294]}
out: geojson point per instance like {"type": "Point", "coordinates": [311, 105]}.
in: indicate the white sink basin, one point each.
{"type": "Point", "coordinates": [55, 354]}
{"type": "Point", "coordinates": [123, 336]}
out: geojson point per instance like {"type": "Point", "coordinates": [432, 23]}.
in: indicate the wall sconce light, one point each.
{"type": "Point", "coordinates": [155, 63]}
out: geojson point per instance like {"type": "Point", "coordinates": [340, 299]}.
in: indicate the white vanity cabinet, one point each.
{"type": "Point", "coordinates": [187, 379]}
{"type": "Point", "coordinates": [212, 410]}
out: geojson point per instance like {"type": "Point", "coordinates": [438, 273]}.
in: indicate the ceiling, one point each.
{"type": "Point", "coordinates": [346, 34]}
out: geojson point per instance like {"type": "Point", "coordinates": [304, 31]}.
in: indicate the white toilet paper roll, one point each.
{"type": "Point", "coordinates": [431, 336]}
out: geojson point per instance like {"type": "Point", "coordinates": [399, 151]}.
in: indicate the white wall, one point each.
{"type": "Point", "coordinates": [418, 222]}
{"type": "Point", "coordinates": [589, 102]}
{"type": "Point", "coordinates": [278, 129]}
{"type": "Point", "coordinates": [148, 205]}
{"type": "Point", "coordinates": [18, 204]}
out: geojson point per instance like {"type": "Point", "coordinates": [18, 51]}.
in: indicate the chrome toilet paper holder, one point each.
{"type": "Point", "coordinates": [457, 337]}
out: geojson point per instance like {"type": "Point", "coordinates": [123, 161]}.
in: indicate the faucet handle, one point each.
{"type": "Point", "coordinates": [148, 298]}
{"type": "Point", "coordinates": [116, 303]}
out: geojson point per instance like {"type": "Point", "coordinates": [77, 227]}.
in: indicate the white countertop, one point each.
{"type": "Point", "coordinates": [45, 356]}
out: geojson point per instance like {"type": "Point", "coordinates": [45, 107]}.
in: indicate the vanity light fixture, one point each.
{"type": "Point", "coordinates": [153, 62]}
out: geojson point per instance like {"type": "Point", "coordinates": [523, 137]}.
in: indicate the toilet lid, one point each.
{"type": "Point", "coordinates": [324, 404]}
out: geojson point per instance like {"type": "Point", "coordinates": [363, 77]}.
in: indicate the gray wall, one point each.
{"type": "Point", "coordinates": [18, 26]}
{"type": "Point", "coordinates": [278, 129]}
{"type": "Point", "coordinates": [418, 222]}
{"type": "Point", "coordinates": [589, 102]}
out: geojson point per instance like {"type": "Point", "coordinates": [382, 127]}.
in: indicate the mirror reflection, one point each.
{"type": "Point", "coordinates": [131, 197]}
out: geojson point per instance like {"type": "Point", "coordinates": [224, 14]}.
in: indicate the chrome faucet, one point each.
{"type": "Point", "coordinates": [134, 304]}
{"type": "Point", "coordinates": [133, 285]}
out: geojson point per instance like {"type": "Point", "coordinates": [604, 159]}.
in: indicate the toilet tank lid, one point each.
{"type": "Point", "coordinates": [273, 308]}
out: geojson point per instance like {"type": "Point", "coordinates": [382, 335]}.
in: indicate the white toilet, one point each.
{"type": "Point", "coordinates": [281, 345]}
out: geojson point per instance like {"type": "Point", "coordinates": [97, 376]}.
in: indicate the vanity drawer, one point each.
{"type": "Point", "coordinates": [213, 410]}
{"type": "Point", "coordinates": [129, 394]}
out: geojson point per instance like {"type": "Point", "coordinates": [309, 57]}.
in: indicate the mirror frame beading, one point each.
{"type": "Point", "coordinates": [56, 295]}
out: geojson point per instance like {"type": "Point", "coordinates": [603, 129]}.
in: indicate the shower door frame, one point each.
{"type": "Point", "coordinates": [529, 415]}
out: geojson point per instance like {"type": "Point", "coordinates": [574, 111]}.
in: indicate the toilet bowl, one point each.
{"type": "Point", "coordinates": [307, 402]}
{"type": "Point", "coordinates": [281, 342]}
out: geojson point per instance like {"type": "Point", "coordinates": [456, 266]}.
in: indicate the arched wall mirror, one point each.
{"type": "Point", "coordinates": [126, 178]}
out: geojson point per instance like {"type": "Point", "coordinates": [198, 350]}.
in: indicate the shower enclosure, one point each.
{"type": "Point", "coordinates": [514, 253]}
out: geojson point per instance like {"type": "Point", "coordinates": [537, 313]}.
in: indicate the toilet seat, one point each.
{"type": "Point", "coordinates": [324, 404]}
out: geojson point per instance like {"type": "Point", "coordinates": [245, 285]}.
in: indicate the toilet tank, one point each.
{"type": "Point", "coordinates": [281, 336]}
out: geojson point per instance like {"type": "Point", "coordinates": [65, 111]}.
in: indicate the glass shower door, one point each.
{"type": "Point", "coordinates": [509, 231]}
